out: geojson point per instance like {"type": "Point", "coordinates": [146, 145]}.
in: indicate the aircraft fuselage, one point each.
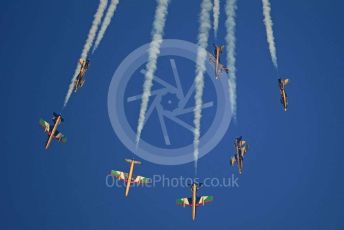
{"type": "Point", "coordinates": [284, 97]}
{"type": "Point", "coordinates": [240, 163]}
{"type": "Point", "coordinates": [130, 176]}
{"type": "Point", "coordinates": [52, 133]}
{"type": "Point", "coordinates": [79, 79]}
{"type": "Point", "coordinates": [194, 197]}
{"type": "Point", "coordinates": [217, 54]}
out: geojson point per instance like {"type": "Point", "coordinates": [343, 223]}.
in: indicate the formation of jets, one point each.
{"type": "Point", "coordinates": [51, 129]}
{"type": "Point", "coordinates": [194, 201]}
{"type": "Point", "coordinates": [79, 82]}
{"type": "Point", "coordinates": [241, 146]}
{"type": "Point", "coordinates": [215, 59]}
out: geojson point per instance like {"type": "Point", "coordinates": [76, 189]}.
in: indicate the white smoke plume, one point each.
{"type": "Point", "coordinates": [230, 9]}
{"type": "Point", "coordinates": [153, 53]}
{"type": "Point", "coordinates": [88, 44]}
{"type": "Point", "coordinates": [203, 35]}
{"type": "Point", "coordinates": [216, 14]}
{"type": "Point", "coordinates": [106, 22]}
{"type": "Point", "coordinates": [269, 31]}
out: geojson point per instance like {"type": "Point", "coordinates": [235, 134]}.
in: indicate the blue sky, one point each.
{"type": "Point", "coordinates": [293, 176]}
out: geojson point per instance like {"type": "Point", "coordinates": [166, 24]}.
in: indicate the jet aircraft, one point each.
{"type": "Point", "coordinates": [215, 59]}
{"type": "Point", "coordinates": [284, 98]}
{"type": "Point", "coordinates": [195, 200]}
{"type": "Point", "coordinates": [51, 129]}
{"type": "Point", "coordinates": [79, 82]}
{"type": "Point", "coordinates": [241, 148]}
{"type": "Point", "coordinates": [129, 178]}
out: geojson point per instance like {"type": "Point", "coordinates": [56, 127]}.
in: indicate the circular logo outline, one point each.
{"type": "Point", "coordinates": [127, 136]}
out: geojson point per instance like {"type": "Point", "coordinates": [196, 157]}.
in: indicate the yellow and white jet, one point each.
{"type": "Point", "coordinates": [215, 59]}
{"type": "Point", "coordinates": [195, 200]}
{"type": "Point", "coordinates": [284, 98]}
{"type": "Point", "coordinates": [241, 148]}
{"type": "Point", "coordinates": [129, 178]}
{"type": "Point", "coordinates": [79, 82]}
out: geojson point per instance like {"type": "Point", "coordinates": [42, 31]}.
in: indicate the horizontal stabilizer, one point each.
{"type": "Point", "coordinates": [135, 162]}
{"type": "Point", "coordinates": [61, 138]}
{"type": "Point", "coordinates": [56, 115]}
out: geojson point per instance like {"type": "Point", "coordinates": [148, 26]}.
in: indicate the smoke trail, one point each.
{"type": "Point", "coordinates": [216, 14]}
{"type": "Point", "coordinates": [88, 44]}
{"type": "Point", "coordinates": [269, 32]}
{"type": "Point", "coordinates": [153, 53]}
{"type": "Point", "coordinates": [106, 22]}
{"type": "Point", "coordinates": [203, 35]}
{"type": "Point", "coordinates": [230, 48]}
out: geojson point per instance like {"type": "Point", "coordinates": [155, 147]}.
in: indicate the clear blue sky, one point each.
{"type": "Point", "coordinates": [293, 177]}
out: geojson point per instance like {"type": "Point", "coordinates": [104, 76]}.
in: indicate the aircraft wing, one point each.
{"type": "Point", "coordinates": [60, 137]}
{"type": "Point", "coordinates": [45, 125]}
{"type": "Point", "coordinates": [184, 201]}
{"type": "Point", "coordinates": [211, 57]}
{"type": "Point", "coordinates": [119, 175]}
{"type": "Point", "coordinates": [233, 160]}
{"type": "Point", "coordinates": [140, 180]}
{"type": "Point", "coordinates": [204, 199]}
